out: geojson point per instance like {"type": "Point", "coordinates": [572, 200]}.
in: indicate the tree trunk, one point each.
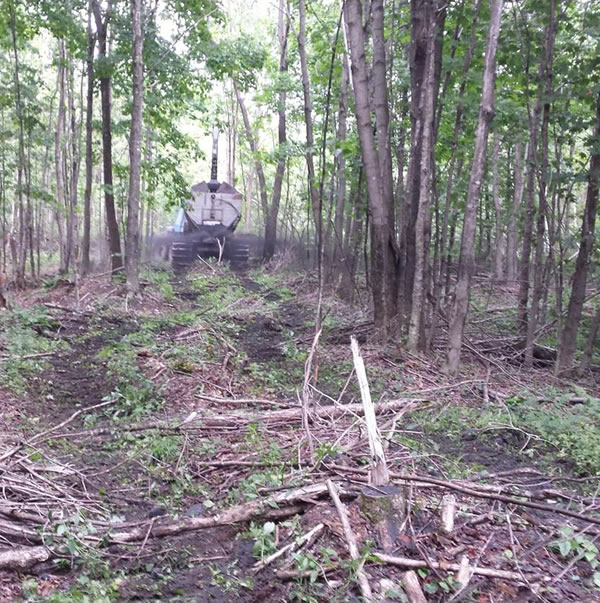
{"type": "Point", "coordinates": [132, 243]}
{"type": "Point", "coordinates": [499, 241]}
{"type": "Point", "coordinates": [273, 211]}
{"type": "Point", "coordinates": [511, 238]}
{"type": "Point", "coordinates": [315, 198]}
{"type": "Point", "coordinates": [338, 247]}
{"type": "Point", "coordinates": [18, 249]}
{"type": "Point", "coordinates": [262, 185]}
{"type": "Point", "coordinates": [467, 260]}
{"type": "Point", "coordinates": [75, 162]}
{"type": "Point", "coordinates": [384, 153]}
{"type": "Point", "coordinates": [568, 336]}
{"type": "Point", "coordinates": [114, 240]}
{"type": "Point", "coordinates": [59, 152]}
{"type": "Point", "coordinates": [87, 195]}
{"type": "Point", "coordinates": [538, 281]}
{"type": "Point", "coordinates": [424, 132]}
{"type": "Point", "coordinates": [381, 258]}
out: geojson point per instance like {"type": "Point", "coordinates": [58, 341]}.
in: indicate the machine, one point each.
{"type": "Point", "coordinates": [204, 227]}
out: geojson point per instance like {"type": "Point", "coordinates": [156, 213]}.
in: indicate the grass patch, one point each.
{"type": "Point", "coordinates": [26, 335]}
{"type": "Point", "coordinates": [548, 429]}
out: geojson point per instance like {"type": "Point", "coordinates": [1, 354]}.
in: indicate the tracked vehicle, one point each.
{"type": "Point", "coordinates": [204, 227]}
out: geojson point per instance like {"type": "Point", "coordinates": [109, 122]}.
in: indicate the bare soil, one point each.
{"type": "Point", "coordinates": [256, 351]}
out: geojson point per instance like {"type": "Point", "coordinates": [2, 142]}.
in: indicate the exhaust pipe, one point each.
{"type": "Point", "coordinates": [213, 185]}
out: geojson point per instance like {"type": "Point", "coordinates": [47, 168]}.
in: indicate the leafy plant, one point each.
{"type": "Point", "coordinates": [578, 545]}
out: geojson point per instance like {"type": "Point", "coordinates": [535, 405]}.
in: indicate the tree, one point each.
{"type": "Point", "coordinates": [87, 195]}
{"type": "Point", "coordinates": [132, 247]}
{"type": "Point", "coordinates": [382, 260]}
{"type": "Point", "coordinates": [467, 260]}
{"type": "Point", "coordinates": [273, 211]}
{"type": "Point", "coordinates": [568, 337]}
{"type": "Point", "coordinates": [114, 239]}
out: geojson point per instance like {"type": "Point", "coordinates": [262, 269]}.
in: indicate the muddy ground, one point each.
{"type": "Point", "coordinates": [178, 393]}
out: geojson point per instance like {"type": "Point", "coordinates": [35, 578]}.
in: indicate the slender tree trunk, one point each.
{"type": "Point", "coordinates": [499, 240]}
{"type": "Point", "coordinates": [467, 261]}
{"type": "Point", "coordinates": [273, 211]}
{"type": "Point", "coordinates": [262, 184]}
{"type": "Point", "coordinates": [538, 280]}
{"type": "Point", "coordinates": [87, 195]}
{"type": "Point", "coordinates": [132, 243]}
{"type": "Point", "coordinates": [18, 249]}
{"type": "Point", "coordinates": [338, 248]}
{"type": "Point", "coordinates": [425, 125]}
{"type": "Point", "coordinates": [315, 198]}
{"type": "Point", "coordinates": [75, 162]}
{"type": "Point", "coordinates": [568, 337]}
{"type": "Point", "coordinates": [384, 154]}
{"type": "Point", "coordinates": [511, 238]}
{"type": "Point", "coordinates": [112, 224]}
{"type": "Point", "coordinates": [59, 152]}
{"type": "Point", "coordinates": [421, 16]}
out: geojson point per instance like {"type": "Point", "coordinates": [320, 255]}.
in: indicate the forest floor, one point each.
{"type": "Point", "coordinates": [164, 448]}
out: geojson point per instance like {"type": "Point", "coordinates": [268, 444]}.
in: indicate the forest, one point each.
{"type": "Point", "coordinates": [299, 300]}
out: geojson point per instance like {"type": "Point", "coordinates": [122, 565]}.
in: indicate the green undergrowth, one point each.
{"type": "Point", "coordinates": [543, 428]}
{"type": "Point", "coordinates": [28, 336]}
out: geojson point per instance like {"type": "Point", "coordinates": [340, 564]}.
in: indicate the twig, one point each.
{"type": "Point", "coordinates": [363, 581]}
{"type": "Point", "coordinates": [306, 395]}
{"type": "Point", "coordinates": [312, 534]}
{"type": "Point", "coordinates": [455, 567]}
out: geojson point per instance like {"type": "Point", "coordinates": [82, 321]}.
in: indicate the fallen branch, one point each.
{"type": "Point", "coordinates": [456, 567]}
{"type": "Point", "coordinates": [23, 557]}
{"type": "Point", "coordinates": [239, 513]}
{"type": "Point", "coordinates": [476, 493]}
{"type": "Point", "coordinates": [363, 581]}
{"type": "Point", "coordinates": [311, 535]}
{"type": "Point", "coordinates": [412, 587]}
{"type": "Point", "coordinates": [241, 401]}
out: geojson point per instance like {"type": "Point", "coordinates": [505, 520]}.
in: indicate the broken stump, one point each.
{"type": "Point", "coordinates": [386, 509]}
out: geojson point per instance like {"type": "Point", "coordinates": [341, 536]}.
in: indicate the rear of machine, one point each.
{"type": "Point", "coordinates": [204, 227]}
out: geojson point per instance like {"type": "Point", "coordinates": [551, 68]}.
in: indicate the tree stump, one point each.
{"type": "Point", "coordinates": [385, 507]}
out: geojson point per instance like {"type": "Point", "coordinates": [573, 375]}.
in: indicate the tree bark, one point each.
{"type": "Point", "coordinates": [59, 152]}
{"type": "Point", "coordinates": [467, 260]}
{"type": "Point", "coordinates": [512, 235]}
{"type": "Point", "coordinates": [19, 249]}
{"type": "Point", "coordinates": [87, 194]}
{"type": "Point", "coordinates": [424, 132]}
{"type": "Point", "coordinates": [568, 337]}
{"type": "Point", "coordinates": [132, 243]}
{"type": "Point", "coordinates": [499, 240]}
{"type": "Point", "coordinates": [315, 198]}
{"type": "Point", "coordinates": [543, 183]}
{"type": "Point", "coordinates": [114, 240]}
{"type": "Point", "coordinates": [273, 211]}
{"type": "Point", "coordinates": [384, 295]}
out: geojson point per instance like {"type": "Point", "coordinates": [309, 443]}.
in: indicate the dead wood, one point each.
{"type": "Point", "coordinates": [23, 557]}
{"type": "Point", "coordinates": [236, 514]}
{"type": "Point", "coordinates": [307, 538]}
{"type": "Point", "coordinates": [471, 491]}
{"type": "Point", "coordinates": [363, 581]}
{"type": "Point", "coordinates": [412, 587]}
{"type": "Point", "coordinates": [456, 567]}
